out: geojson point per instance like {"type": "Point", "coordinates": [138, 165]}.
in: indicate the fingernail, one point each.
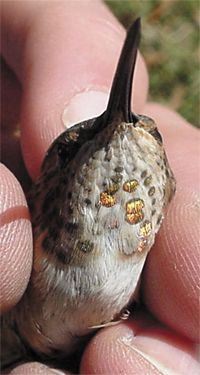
{"type": "Point", "coordinates": [83, 106]}
{"type": "Point", "coordinates": [132, 343]}
{"type": "Point", "coordinates": [57, 372]}
{"type": "Point", "coordinates": [155, 349]}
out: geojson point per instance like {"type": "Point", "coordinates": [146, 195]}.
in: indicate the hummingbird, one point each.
{"type": "Point", "coordinates": [96, 207]}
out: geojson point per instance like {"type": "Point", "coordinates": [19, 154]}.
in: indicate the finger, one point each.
{"type": "Point", "coordinates": [10, 98]}
{"type": "Point", "coordinates": [11, 157]}
{"type": "Point", "coordinates": [10, 132]}
{"type": "Point", "coordinates": [139, 347]}
{"type": "Point", "coordinates": [15, 239]}
{"type": "Point", "coordinates": [33, 368]}
{"type": "Point", "coordinates": [66, 74]}
{"type": "Point", "coordinates": [171, 277]}
{"type": "Point", "coordinates": [181, 141]}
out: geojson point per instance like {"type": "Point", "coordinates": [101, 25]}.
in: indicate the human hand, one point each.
{"type": "Point", "coordinates": [43, 45]}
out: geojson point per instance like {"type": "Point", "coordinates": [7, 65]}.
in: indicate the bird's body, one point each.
{"type": "Point", "coordinates": [95, 210]}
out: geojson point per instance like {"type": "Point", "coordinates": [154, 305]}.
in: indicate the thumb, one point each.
{"type": "Point", "coordinates": [70, 55]}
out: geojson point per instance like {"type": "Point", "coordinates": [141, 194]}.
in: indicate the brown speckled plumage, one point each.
{"type": "Point", "coordinates": [95, 210]}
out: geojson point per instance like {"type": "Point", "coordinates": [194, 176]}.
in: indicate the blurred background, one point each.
{"type": "Point", "coordinates": [170, 46]}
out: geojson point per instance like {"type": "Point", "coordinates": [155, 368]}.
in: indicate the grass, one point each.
{"type": "Point", "coordinates": [170, 43]}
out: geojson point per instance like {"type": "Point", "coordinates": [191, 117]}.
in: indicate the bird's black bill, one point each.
{"type": "Point", "coordinates": [120, 96]}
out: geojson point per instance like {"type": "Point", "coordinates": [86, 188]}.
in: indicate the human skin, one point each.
{"type": "Point", "coordinates": [63, 53]}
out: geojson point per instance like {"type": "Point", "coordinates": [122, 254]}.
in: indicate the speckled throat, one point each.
{"type": "Point", "coordinates": [96, 209]}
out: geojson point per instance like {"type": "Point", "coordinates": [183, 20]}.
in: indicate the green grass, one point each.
{"type": "Point", "coordinates": [170, 42]}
